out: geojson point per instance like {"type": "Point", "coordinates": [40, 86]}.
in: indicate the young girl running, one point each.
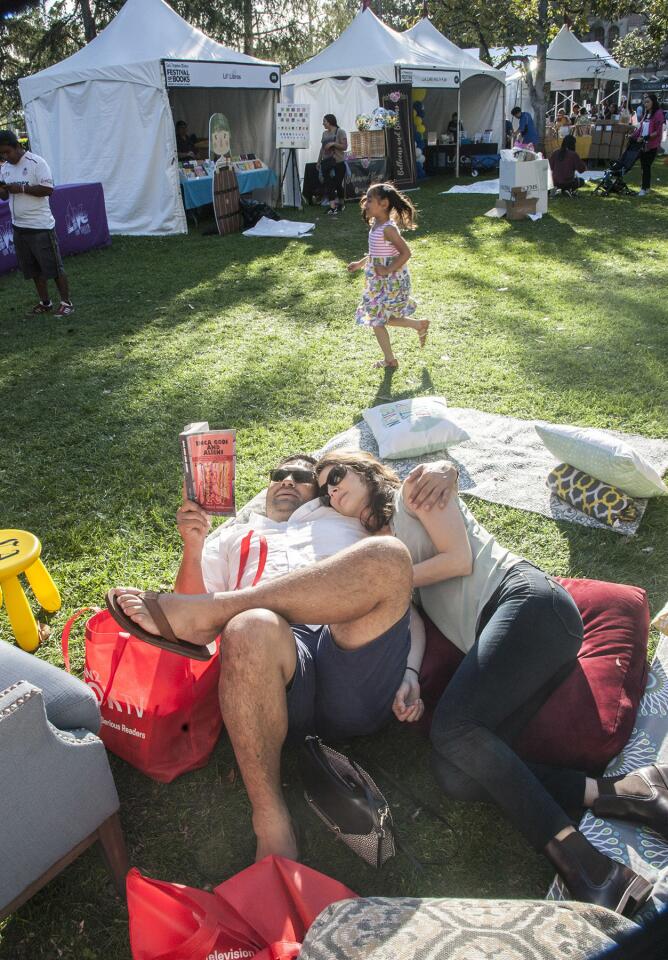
{"type": "Point", "coordinates": [387, 301]}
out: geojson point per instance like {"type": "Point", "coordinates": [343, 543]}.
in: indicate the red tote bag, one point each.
{"type": "Point", "coordinates": [159, 710]}
{"type": "Point", "coordinates": [262, 913]}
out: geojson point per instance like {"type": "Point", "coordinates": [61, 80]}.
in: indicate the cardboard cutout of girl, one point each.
{"type": "Point", "coordinates": [219, 136]}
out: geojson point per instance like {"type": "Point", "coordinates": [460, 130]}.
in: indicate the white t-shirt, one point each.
{"type": "Point", "coordinates": [312, 533]}
{"type": "Point", "coordinates": [26, 210]}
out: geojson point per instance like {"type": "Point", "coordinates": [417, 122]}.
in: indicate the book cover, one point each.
{"type": "Point", "coordinates": [209, 463]}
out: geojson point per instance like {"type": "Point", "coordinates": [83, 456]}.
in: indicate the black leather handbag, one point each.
{"type": "Point", "coordinates": [347, 800]}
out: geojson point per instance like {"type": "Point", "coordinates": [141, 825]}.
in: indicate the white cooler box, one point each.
{"type": "Point", "coordinates": [534, 176]}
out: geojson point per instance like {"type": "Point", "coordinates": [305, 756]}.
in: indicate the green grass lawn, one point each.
{"type": "Point", "coordinates": [564, 319]}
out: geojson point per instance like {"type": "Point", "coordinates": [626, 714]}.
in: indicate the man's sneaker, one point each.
{"type": "Point", "coordinates": [44, 306]}
{"type": "Point", "coordinates": [333, 212]}
{"type": "Point", "coordinates": [65, 309]}
{"type": "Point", "coordinates": [643, 193]}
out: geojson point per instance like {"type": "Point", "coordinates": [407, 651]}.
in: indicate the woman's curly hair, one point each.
{"type": "Point", "coordinates": [381, 481]}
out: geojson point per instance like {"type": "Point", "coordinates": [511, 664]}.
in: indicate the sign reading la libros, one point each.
{"type": "Point", "coordinates": [213, 73]}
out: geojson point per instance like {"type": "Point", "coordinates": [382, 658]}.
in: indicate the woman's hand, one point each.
{"type": "Point", "coordinates": [355, 266]}
{"type": "Point", "coordinates": [407, 706]}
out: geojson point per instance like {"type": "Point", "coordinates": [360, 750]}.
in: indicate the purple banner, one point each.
{"type": "Point", "coordinates": [81, 222]}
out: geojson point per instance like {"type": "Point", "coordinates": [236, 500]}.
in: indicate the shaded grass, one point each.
{"type": "Point", "coordinates": [258, 334]}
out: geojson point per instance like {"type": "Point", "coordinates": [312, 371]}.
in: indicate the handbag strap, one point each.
{"type": "Point", "coordinates": [245, 553]}
{"type": "Point", "coordinates": [67, 629]}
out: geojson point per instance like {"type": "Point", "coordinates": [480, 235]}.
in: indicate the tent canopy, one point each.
{"type": "Point", "coordinates": [366, 48]}
{"type": "Point", "coordinates": [426, 34]}
{"type": "Point", "coordinates": [130, 48]}
{"type": "Point", "coordinates": [568, 59]}
{"type": "Point", "coordinates": [104, 113]}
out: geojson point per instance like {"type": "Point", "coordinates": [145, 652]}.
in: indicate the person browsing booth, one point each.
{"type": "Point", "coordinates": [26, 181]}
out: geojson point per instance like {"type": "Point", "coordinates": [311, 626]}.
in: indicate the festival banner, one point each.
{"type": "Point", "coordinates": [400, 139]}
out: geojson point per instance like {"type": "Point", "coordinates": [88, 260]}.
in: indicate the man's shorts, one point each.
{"type": "Point", "coordinates": [38, 253]}
{"type": "Point", "coordinates": [338, 693]}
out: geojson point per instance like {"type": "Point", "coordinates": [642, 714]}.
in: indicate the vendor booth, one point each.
{"type": "Point", "coordinates": [344, 79]}
{"type": "Point", "coordinates": [478, 101]}
{"type": "Point", "coordinates": [108, 112]}
{"type": "Point", "coordinates": [567, 60]}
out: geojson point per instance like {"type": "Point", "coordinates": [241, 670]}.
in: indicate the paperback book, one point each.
{"type": "Point", "coordinates": [209, 463]}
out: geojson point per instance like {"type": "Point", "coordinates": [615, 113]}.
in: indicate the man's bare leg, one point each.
{"type": "Point", "coordinates": [258, 659]}
{"type": "Point", "coordinates": [360, 592]}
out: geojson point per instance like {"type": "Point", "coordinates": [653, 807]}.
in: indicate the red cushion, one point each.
{"type": "Point", "coordinates": [590, 716]}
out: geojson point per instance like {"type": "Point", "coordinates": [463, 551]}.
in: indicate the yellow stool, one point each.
{"type": "Point", "coordinates": [19, 553]}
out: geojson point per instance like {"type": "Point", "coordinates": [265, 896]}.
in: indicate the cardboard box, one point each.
{"type": "Point", "coordinates": [534, 176]}
{"type": "Point", "coordinates": [519, 205]}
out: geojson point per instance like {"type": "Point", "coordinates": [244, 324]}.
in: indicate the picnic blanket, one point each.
{"type": "Point", "coordinates": [636, 846]}
{"type": "Point", "coordinates": [505, 461]}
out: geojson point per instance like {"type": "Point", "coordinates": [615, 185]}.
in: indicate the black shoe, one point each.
{"type": "Point", "coordinates": [593, 878]}
{"type": "Point", "coordinates": [643, 801]}
{"type": "Point", "coordinates": [332, 212]}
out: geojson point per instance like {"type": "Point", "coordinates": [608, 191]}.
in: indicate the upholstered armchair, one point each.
{"type": "Point", "coordinates": [57, 794]}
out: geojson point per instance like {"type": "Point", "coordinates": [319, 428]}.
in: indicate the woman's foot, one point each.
{"type": "Point", "coordinates": [196, 619]}
{"type": "Point", "coordinates": [594, 878]}
{"type": "Point", "coordinates": [422, 331]}
{"type": "Point", "coordinates": [386, 364]}
{"type": "Point", "coordinates": [641, 796]}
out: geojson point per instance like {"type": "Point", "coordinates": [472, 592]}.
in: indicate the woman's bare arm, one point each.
{"type": "Point", "coordinates": [447, 532]}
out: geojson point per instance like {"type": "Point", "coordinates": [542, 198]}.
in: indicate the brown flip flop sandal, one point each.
{"type": "Point", "coordinates": [168, 640]}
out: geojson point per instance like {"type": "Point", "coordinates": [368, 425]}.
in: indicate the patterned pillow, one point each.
{"type": "Point", "coordinates": [593, 497]}
{"type": "Point", "coordinates": [380, 928]}
{"type": "Point", "coordinates": [603, 456]}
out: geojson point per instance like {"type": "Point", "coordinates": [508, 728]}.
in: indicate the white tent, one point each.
{"type": "Point", "coordinates": [479, 99]}
{"type": "Point", "coordinates": [342, 79]}
{"type": "Point", "coordinates": [104, 114]}
{"type": "Point", "coordinates": [567, 59]}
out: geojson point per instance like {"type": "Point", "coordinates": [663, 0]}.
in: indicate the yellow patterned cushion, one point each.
{"type": "Point", "coordinates": [593, 497]}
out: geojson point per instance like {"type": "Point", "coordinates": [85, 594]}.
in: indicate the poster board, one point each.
{"type": "Point", "coordinates": [293, 126]}
{"type": "Point", "coordinates": [400, 138]}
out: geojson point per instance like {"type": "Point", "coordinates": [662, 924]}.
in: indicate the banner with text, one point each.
{"type": "Point", "coordinates": [400, 139]}
{"type": "Point", "coordinates": [202, 73]}
{"type": "Point", "coordinates": [429, 77]}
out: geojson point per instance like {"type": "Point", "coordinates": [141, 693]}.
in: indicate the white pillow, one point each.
{"type": "Point", "coordinates": [409, 428]}
{"type": "Point", "coordinates": [603, 457]}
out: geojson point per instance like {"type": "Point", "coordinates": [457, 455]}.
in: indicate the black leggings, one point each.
{"type": "Point", "coordinates": [646, 161]}
{"type": "Point", "coordinates": [334, 183]}
{"type": "Point", "coordinates": [528, 640]}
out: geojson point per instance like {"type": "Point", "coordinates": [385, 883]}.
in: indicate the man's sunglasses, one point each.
{"type": "Point", "coordinates": [334, 478]}
{"type": "Point", "coordinates": [298, 474]}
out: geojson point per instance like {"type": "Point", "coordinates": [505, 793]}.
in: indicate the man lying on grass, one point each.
{"type": "Point", "coordinates": [271, 584]}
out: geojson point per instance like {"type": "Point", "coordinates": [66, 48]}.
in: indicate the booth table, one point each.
{"type": "Point", "coordinates": [81, 222]}
{"type": "Point", "coordinates": [441, 157]}
{"type": "Point", "coordinates": [199, 191]}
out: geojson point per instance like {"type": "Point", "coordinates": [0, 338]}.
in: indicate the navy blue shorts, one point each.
{"type": "Point", "coordinates": [338, 693]}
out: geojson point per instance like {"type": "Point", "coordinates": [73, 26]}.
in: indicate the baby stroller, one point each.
{"type": "Point", "coordinates": [613, 179]}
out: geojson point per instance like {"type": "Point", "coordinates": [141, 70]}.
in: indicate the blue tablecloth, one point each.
{"type": "Point", "coordinates": [200, 191]}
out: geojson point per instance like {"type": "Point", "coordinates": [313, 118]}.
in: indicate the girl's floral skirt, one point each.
{"type": "Point", "coordinates": [384, 297]}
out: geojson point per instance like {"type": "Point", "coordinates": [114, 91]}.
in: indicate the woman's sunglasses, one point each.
{"type": "Point", "coordinates": [298, 474]}
{"type": "Point", "coordinates": [334, 478]}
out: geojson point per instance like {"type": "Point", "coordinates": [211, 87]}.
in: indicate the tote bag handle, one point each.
{"type": "Point", "coordinates": [67, 629]}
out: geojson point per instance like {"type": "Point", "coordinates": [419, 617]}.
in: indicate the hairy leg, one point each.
{"type": "Point", "coordinates": [63, 287]}
{"type": "Point", "coordinates": [360, 592]}
{"type": "Point", "coordinates": [258, 659]}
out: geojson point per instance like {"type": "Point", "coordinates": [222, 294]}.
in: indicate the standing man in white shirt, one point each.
{"type": "Point", "coordinates": [26, 181]}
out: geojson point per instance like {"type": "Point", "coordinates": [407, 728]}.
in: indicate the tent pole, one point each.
{"type": "Point", "coordinates": [459, 120]}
